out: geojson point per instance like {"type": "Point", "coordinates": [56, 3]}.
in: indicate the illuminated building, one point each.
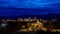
{"type": "Point", "coordinates": [26, 19]}
{"type": "Point", "coordinates": [20, 19]}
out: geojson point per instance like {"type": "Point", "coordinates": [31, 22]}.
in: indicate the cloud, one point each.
{"type": "Point", "coordinates": [42, 6]}
{"type": "Point", "coordinates": [27, 3]}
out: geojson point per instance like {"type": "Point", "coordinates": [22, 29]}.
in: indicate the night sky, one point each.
{"type": "Point", "coordinates": [33, 7]}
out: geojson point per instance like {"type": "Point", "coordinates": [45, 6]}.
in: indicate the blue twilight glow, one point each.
{"type": "Point", "coordinates": [48, 6]}
{"type": "Point", "coordinates": [28, 3]}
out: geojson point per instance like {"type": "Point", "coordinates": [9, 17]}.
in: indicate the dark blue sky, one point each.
{"type": "Point", "coordinates": [33, 7]}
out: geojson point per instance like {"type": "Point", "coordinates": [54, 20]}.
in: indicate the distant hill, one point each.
{"type": "Point", "coordinates": [49, 16]}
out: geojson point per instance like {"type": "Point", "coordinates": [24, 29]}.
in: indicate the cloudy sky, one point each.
{"type": "Point", "coordinates": [27, 3]}
{"type": "Point", "coordinates": [44, 6]}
